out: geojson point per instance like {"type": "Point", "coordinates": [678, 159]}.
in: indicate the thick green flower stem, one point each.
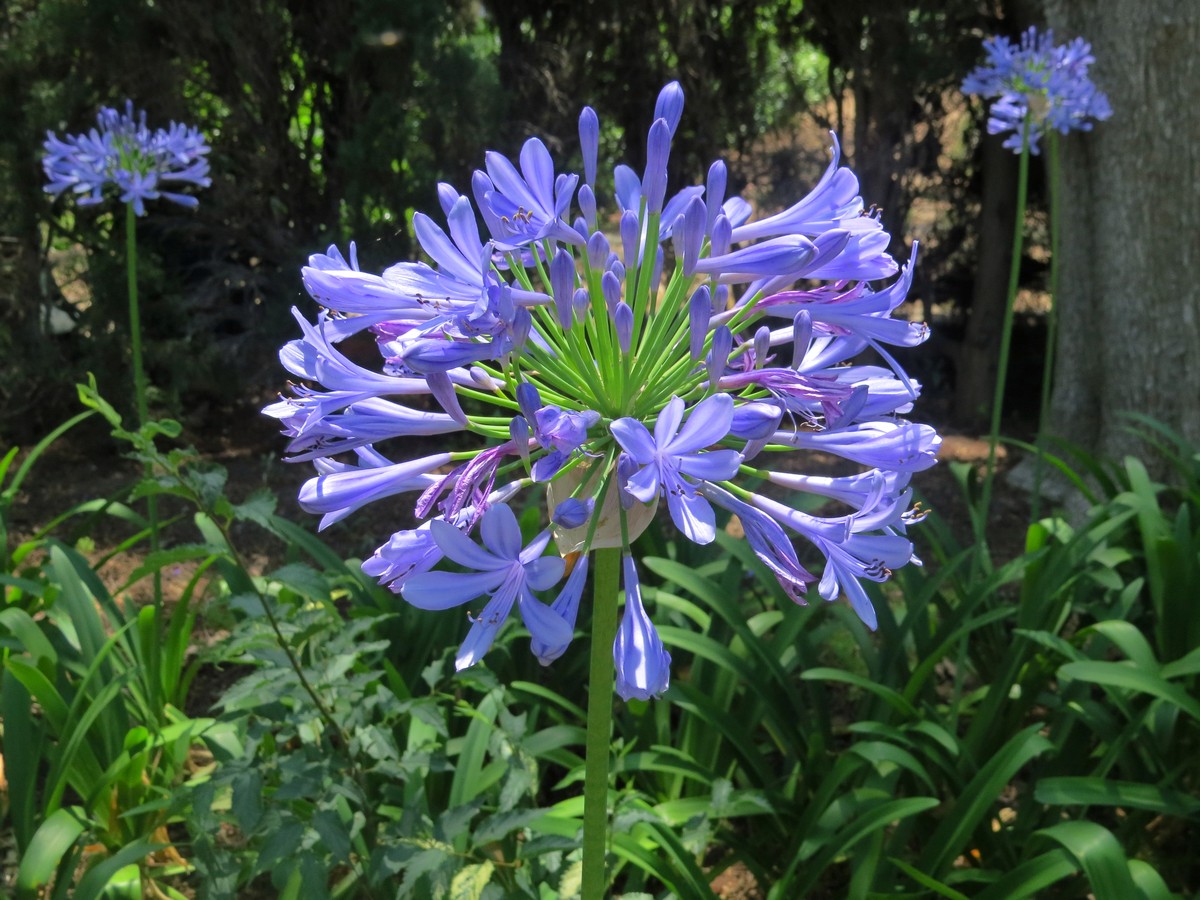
{"type": "Point", "coordinates": [1055, 170]}
{"type": "Point", "coordinates": [607, 575]}
{"type": "Point", "coordinates": [1014, 276]}
{"type": "Point", "coordinates": [139, 374]}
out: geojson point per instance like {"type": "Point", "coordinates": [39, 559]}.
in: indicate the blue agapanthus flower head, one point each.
{"type": "Point", "coordinates": [692, 348]}
{"type": "Point", "coordinates": [1039, 84]}
{"type": "Point", "coordinates": [123, 152]}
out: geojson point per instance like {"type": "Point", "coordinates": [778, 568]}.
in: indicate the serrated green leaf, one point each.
{"type": "Point", "coordinates": [469, 883]}
{"type": "Point", "coordinates": [257, 508]}
{"type": "Point", "coordinates": [303, 579]}
{"type": "Point", "coordinates": [334, 833]}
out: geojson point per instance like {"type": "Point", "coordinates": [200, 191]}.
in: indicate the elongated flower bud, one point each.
{"type": "Point", "coordinates": [669, 106]}
{"type": "Point", "coordinates": [699, 311]}
{"type": "Point", "coordinates": [658, 148]}
{"type": "Point", "coordinates": [589, 142]}
{"type": "Point", "coordinates": [714, 193]}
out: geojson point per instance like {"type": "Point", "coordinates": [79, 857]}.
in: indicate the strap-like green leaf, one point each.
{"type": "Point", "coordinates": [1099, 855]}
{"type": "Point", "coordinates": [977, 796]}
{"type": "Point", "coordinates": [1125, 676]}
{"type": "Point", "coordinates": [1095, 791]}
{"type": "Point", "coordinates": [51, 843]}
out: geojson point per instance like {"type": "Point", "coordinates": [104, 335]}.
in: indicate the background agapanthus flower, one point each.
{"type": "Point", "coordinates": [1039, 84]}
{"type": "Point", "coordinates": [605, 372]}
{"type": "Point", "coordinates": [122, 151]}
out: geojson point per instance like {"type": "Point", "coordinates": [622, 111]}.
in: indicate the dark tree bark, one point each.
{"type": "Point", "coordinates": [1129, 304]}
{"type": "Point", "coordinates": [978, 355]}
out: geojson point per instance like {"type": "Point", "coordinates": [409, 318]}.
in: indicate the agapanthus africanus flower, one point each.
{"type": "Point", "coordinates": [691, 348]}
{"type": "Point", "coordinates": [1039, 84]}
{"type": "Point", "coordinates": [122, 151]}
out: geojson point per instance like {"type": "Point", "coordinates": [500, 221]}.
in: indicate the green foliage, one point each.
{"type": "Point", "coordinates": [948, 755]}
{"type": "Point", "coordinates": [95, 743]}
{"type": "Point", "coordinates": [1012, 730]}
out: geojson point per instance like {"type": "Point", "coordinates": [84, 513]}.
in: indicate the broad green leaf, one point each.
{"type": "Point", "coordinates": [51, 843]}
{"type": "Point", "coordinates": [1094, 791]}
{"type": "Point", "coordinates": [1180, 668]}
{"type": "Point", "coordinates": [1031, 877]}
{"type": "Point", "coordinates": [1149, 882]}
{"type": "Point", "coordinates": [468, 768]}
{"type": "Point", "coordinates": [976, 798]}
{"type": "Point", "coordinates": [880, 752]}
{"type": "Point", "coordinates": [1130, 640]}
{"type": "Point", "coordinates": [739, 804]}
{"type": "Point", "coordinates": [1098, 854]}
{"type": "Point", "coordinates": [885, 693]}
{"type": "Point", "coordinates": [537, 690]}
{"type": "Point", "coordinates": [24, 740]}
{"type": "Point", "coordinates": [1125, 676]}
{"type": "Point", "coordinates": [874, 818]}
{"type": "Point", "coordinates": [942, 890]}
{"type": "Point", "coordinates": [20, 625]}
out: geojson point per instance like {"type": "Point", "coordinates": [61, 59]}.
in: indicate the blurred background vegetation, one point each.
{"type": "Point", "coordinates": [334, 121]}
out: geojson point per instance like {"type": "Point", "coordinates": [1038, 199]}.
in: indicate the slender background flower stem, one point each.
{"type": "Point", "coordinates": [1014, 276]}
{"type": "Point", "coordinates": [1051, 320]}
{"type": "Point", "coordinates": [139, 374]}
{"type": "Point", "coordinates": [607, 574]}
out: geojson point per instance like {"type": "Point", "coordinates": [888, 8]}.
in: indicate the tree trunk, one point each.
{"type": "Point", "coordinates": [978, 355]}
{"type": "Point", "coordinates": [1129, 305]}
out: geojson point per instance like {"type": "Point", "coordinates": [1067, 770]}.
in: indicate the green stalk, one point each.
{"type": "Point", "coordinates": [1014, 276]}
{"type": "Point", "coordinates": [139, 376]}
{"type": "Point", "coordinates": [1051, 321]}
{"type": "Point", "coordinates": [607, 576]}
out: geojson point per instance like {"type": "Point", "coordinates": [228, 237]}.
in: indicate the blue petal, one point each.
{"type": "Point", "coordinates": [508, 181]}
{"type": "Point", "coordinates": [500, 531]}
{"type": "Point", "coordinates": [550, 633]}
{"type": "Point", "coordinates": [643, 666]}
{"type": "Point", "coordinates": [544, 572]}
{"type": "Point", "coordinates": [709, 422]}
{"type": "Point", "coordinates": [715, 465]}
{"type": "Point", "coordinates": [538, 169]}
{"type": "Point", "coordinates": [667, 425]}
{"type": "Point", "coordinates": [483, 632]}
{"type": "Point", "coordinates": [443, 590]}
{"type": "Point", "coordinates": [644, 483]}
{"type": "Point", "coordinates": [634, 439]}
{"type": "Point", "coordinates": [859, 600]}
{"type": "Point", "coordinates": [692, 515]}
{"type": "Point", "coordinates": [462, 550]}
{"type": "Point", "coordinates": [434, 242]}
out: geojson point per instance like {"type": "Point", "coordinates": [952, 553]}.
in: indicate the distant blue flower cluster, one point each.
{"type": "Point", "coordinates": [1038, 82]}
{"type": "Point", "coordinates": [121, 150]}
{"type": "Point", "coordinates": [606, 375]}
